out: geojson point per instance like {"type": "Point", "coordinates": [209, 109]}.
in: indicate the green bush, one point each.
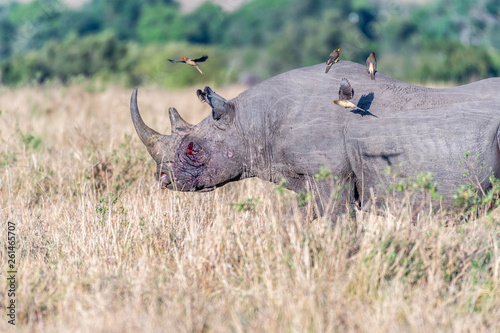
{"type": "Point", "coordinates": [160, 24]}
{"type": "Point", "coordinates": [125, 41]}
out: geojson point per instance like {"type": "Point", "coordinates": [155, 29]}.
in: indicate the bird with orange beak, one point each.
{"type": "Point", "coordinates": [334, 58]}
{"type": "Point", "coordinates": [192, 62]}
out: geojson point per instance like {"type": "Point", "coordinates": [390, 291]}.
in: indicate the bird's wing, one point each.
{"type": "Point", "coordinates": [201, 59]}
{"type": "Point", "coordinates": [334, 55]}
{"type": "Point", "coordinates": [174, 61]}
{"type": "Point", "coordinates": [345, 92]}
{"type": "Point", "coordinates": [331, 61]}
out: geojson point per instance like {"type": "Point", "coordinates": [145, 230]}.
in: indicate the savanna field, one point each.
{"type": "Point", "coordinates": [100, 248]}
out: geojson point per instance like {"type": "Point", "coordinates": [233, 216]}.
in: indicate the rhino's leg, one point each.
{"type": "Point", "coordinates": [325, 197]}
{"type": "Point", "coordinates": [335, 198]}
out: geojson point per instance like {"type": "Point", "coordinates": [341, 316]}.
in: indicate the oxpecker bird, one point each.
{"type": "Point", "coordinates": [345, 94]}
{"type": "Point", "coordinates": [192, 62]}
{"type": "Point", "coordinates": [371, 65]}
{"type": "Point", "coordinates": [334, 57]}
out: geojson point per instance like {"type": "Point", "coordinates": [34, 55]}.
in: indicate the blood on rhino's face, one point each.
{"type": "Point", "coordinates": [199, 161]}
{"type": "Point", "coordinates": [193, 158]}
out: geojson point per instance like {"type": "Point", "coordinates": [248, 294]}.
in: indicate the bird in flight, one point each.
{"type": "Point", "coordinates": [192, 62]}
{"type": "Point", "coordinates": [345, 94]}
{"type": "Point", "coordinates": [334, 57]}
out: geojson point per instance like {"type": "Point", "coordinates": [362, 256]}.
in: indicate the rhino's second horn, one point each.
{"type": "Point", "coordinates": [178, 124]}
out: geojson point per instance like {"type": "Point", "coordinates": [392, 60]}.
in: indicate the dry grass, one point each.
{"type": "Point", "coordinates": [102, 249]}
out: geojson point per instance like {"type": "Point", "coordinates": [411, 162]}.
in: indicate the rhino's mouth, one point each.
{"type": "Point", "coordinates": [167, 184]}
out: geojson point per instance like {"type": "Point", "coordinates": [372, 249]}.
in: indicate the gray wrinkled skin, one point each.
{"type": "Point", "coordinates": [287, 127]}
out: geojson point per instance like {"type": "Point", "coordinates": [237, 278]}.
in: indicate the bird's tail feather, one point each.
{"type": "Point", "coordinates": [347, 104]}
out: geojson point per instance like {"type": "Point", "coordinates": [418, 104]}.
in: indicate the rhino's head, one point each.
{"type": "Point", "coordinates": [195, 157]}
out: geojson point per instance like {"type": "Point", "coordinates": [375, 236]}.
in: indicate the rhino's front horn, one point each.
{"type": "Point", "coordinates": [178, 124]}
{"type": "Point", "coordinates": [147, 135]}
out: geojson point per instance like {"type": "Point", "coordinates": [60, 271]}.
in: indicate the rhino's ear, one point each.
{"type": "Point", "coordinates": [220, 106]}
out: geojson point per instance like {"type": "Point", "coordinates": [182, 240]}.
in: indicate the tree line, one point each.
{"type": "Point", "coordinates": [128, 41]}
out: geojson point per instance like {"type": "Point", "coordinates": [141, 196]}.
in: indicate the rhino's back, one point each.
{"type": "Point", "coordinates": [417, 128]}
{"type": "Point", "coordinates": [389, 94]}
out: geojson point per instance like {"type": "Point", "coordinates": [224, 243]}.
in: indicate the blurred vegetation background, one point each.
{"type": "Point", "coordinates": [127, 41]}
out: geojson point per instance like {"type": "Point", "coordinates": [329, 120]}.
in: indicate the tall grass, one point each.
{"type": "Point", "coordinates": [102, 249]}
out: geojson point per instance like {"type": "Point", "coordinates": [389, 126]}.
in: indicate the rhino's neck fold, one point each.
{"type": "Point", "coordinates": [253, 126]}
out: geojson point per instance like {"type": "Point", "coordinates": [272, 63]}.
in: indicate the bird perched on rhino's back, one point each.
{"type": "Point", "coordinates": [371, 65]}
{"type": "Point", "coordinates": [334, 57]}
{"type": "Point", "coordinates": [192, 62]}
{"type": "Point", "coordinates": [345, 94]}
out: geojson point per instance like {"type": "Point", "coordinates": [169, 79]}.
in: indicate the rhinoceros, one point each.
{"type": "Point", "coordinates": [285, 129]}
